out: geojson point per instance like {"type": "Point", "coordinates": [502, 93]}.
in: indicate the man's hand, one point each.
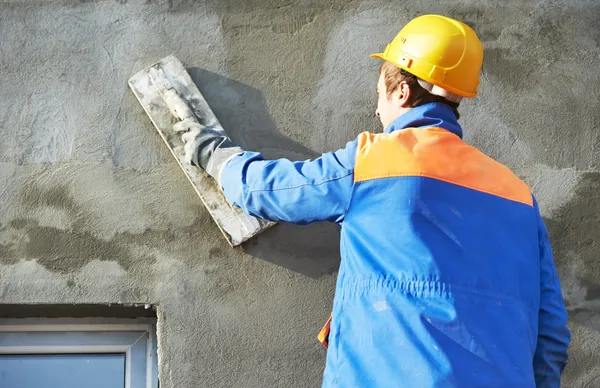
{"type": "Point", "coordinates": [190, 131]}
{"type": "Point", "coordinates": [206, 147]}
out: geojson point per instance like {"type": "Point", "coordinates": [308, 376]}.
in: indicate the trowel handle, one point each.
{"type": "Point", "coordinates": [177, 106]}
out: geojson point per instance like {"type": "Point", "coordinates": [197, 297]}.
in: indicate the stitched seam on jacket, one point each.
{"type": "Point", "coordinates": [353, 188]}
{"type": "Point", "coordinates": [431, 176]}
{"type": "Point", "coordinates": [418, 288]}
{"type": "Point", "coordinates": [336, 342]}
{"type": "Point", "coordinates": [336, 178]}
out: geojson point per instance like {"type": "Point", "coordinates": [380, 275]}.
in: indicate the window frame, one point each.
{"type": "Point", "coordinates": [136, 338]}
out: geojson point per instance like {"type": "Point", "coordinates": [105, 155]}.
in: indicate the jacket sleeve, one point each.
{"type": "Point", "coordinates": [296, 192]}
{"type": "Point", "coordinates": [551, 352]}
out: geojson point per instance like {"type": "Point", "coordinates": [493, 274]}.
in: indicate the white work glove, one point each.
{"type": "Point", "coordinates": [190, 132]}
{"type": "Point", "coordinates": [207, 147]}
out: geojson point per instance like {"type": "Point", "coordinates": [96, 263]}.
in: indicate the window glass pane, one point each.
{"type": "Point", "coordinates": [62, 371]}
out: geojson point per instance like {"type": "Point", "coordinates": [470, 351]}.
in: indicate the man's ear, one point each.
{"type": "Point", "coordinates": [403, 94]}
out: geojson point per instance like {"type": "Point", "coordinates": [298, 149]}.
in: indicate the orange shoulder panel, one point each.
{"type": "Point", "coordinates": [438, 154]}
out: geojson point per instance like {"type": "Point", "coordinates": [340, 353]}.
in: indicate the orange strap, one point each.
{"type": "Point", "coordinates": [324, 333]}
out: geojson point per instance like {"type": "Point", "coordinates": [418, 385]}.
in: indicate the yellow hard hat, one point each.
{"type": "Point", "coordinates": [442, 51]}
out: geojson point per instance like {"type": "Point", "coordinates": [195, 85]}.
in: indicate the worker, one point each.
{"type": "Point", "coordinates": [447, 277]}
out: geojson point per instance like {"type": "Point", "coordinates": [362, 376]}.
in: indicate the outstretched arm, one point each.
{"type": "Point", "coordinates": [296, 192]}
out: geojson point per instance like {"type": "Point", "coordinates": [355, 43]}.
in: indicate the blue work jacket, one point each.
{"type": "Point", "coordinates": [447, 277]}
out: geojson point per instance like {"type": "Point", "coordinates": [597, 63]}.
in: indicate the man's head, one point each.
{"type": "Point", "coordinates": [399, 91]}
{"type": "Point", "coordinates": [432, 59]}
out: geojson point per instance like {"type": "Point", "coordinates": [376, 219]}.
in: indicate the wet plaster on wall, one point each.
{"type": "Point", "coordinates": [279, 48]}
{"type": "Point", "coordinates": [542, 58]}
{"type": "Point", "coordinates": [94, 210]}
{"type": "Point", "coordinates": [574, 229]}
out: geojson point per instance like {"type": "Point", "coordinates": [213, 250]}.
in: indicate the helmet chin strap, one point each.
{"type": "Point", "coordinates": [437, 91]}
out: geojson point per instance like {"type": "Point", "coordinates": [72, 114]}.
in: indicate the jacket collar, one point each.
{"type": "Point", "coordinates": [433, 114]}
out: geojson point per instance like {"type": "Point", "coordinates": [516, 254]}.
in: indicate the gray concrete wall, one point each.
{"type": "Point", "coordinates": [94, 210]}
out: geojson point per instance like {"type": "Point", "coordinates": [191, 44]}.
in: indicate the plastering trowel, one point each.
{"type": "Point", "coordinates": [168, 94]}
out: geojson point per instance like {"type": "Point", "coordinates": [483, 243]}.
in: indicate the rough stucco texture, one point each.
{"type": "Point", "coordinates": [94, 210]}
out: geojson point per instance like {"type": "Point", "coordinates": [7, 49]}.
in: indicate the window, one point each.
{"type": "Point", "coordinates": [78, 352]}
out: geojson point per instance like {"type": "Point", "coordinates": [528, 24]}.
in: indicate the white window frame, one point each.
{"type": "Point", "coordinates": [136, 338]}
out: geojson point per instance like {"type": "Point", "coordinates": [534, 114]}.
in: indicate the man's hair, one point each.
{"type": "Point", "coordinates": [393, 76]}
